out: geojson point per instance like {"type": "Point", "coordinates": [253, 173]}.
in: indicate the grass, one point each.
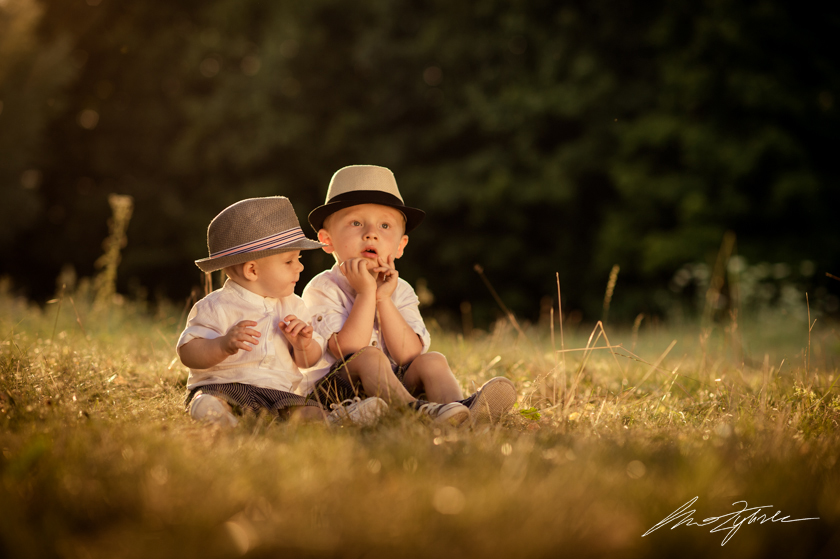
{"type": "Point", "coordinates": [99, 459]}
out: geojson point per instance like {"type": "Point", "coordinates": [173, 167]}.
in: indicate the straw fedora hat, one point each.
{"type": "Point", "coordinates": [364, 184]}
{"type": "Point", "coordinates": [252, 229]}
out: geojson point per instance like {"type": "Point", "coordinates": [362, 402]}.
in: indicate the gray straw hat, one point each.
{"type": "Point", "coordinates": [364, 184]}
{"type": "Point", "coordinates": [252, 229]}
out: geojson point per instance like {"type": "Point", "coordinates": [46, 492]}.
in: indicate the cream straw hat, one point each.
{"type": "Point", "coordinates": [364, 184]}
{"type": "Point", "coordinates": [253, 229]}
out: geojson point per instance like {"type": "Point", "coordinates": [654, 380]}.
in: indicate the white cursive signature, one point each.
{"type": "Point", "coordinates": [731, 522]}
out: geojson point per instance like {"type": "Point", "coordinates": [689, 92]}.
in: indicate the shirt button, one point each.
{"type": "Point", "coordinates": [373, 344]}
{"type": "Point", "coordinates": [320, 318]}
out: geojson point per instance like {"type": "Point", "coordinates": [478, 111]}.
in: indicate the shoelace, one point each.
{"type": "Point", "coordinates": [346, 403]}
{"type": "Point", "coordinates": [431, 408]}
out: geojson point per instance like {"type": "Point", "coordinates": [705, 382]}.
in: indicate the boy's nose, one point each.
{"type": "Point", "coordinates": [370, 233]}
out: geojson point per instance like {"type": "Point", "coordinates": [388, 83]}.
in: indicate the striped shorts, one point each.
{"type": "Point", "coordinates": [244, 397]}
{"type": "Point", "coordinates": [336, 387]}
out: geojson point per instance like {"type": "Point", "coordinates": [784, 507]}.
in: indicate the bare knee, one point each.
{"type": "Point", "coordinates": [432, 361]}
{"type": "Point", "coordinates": [368, 360]}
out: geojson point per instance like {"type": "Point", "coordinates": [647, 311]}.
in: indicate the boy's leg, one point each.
{"type": "Point", "coordinates": [430, 373]}
{"type": "Point", "coordinates": [373, 369]}
{"type": "Point", "coordinates": [305, 414]}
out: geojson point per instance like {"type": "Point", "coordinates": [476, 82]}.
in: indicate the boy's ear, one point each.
{"type": "Point", "coordinates": [401, 247]}
{"type": "Point", "coordinates": [250, 270]}
{"type": "Point", "coordinates": [324, 237]}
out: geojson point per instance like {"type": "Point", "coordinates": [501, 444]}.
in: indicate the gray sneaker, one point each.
{"type": "Point", "coordinates": [210, 409]}
{"type": "Point", "coordinates": [493, 400]}
{"type": "Point", "coordinates": [361, 412]}
{"type": "Point", "coordinates": [453, 413]}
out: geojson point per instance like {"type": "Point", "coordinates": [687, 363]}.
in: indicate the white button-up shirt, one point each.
{"type": "Point", "coordinates": [269, 364]}
{"type": "Point", "coordinates": [330, 297]}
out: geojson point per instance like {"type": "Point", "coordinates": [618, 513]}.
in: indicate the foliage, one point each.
{"type": "Point", "coordinates": [541, 137]}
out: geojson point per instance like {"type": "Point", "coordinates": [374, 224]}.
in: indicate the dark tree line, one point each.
{"type": "Point", "coordinates": [540, 136]}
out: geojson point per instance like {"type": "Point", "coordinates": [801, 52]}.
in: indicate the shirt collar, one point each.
{"type": "Point", "coordinates": [340, 278]}
{"type": "Point", "coordinates": [249, 296]}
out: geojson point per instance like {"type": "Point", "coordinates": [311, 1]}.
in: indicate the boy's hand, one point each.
{"type": "Point", "coordinates": [239, 337]}
{"type": "Point", "coordinates": [297, 332]}
{"type": "Point", "coordinates": [386, 278]}
{"type": "Point", "coordinates": [358, 273]}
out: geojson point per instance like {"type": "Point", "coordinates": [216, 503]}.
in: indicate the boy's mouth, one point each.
{"type": "Point", "coordinates": [370, 252]}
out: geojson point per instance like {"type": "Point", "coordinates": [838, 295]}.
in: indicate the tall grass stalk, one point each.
{"type": "Point", "coordinates": [608, 294]}
{"type": "Point", "coordinates": [105, 284]}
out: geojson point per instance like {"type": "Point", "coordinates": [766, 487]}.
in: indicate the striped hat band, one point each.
{"type": "Point", "coordinates": [278, 240]}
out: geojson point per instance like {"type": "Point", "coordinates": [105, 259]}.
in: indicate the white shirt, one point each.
{"type": "Point", "coordinates": [269, 364]}
{"type": "Point", "coordinates": [330, 297]}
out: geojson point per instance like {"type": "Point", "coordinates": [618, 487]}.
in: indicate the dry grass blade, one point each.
{"type": "Point", "coordinates": [78, 318]}
{"type": "Point", "coordinates": [652, 368]}
{"type": "Point", "coordinates": [499, 301]}
{"type": "Point", "coordinates": [57, 311]}
{"type": "Point", "coordinates": [718, 277]}
{"type": "Point", "coordinates": [609, 292]}
{"type": "Point", "coordinates": [562, 339]}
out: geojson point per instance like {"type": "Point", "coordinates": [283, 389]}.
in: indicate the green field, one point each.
{"type": "Point", "coordinates": [100, 460]}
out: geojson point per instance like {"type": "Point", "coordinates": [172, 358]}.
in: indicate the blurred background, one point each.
{"type": "Point", "coordinates": [691, 144]}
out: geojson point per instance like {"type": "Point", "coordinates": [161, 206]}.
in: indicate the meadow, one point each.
{"type": "Point", "coordinates": [608, 438]}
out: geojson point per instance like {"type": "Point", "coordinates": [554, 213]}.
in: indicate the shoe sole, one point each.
{"type": "Point", "coordinates": [493, 401]}
{"type": "Point", "coordinates": [455, 417]}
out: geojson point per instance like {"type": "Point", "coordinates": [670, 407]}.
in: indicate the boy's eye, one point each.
{"type": "Point", "coordinates": [356, 223]}
{"type": "Point", "coordinates": [386, 226]}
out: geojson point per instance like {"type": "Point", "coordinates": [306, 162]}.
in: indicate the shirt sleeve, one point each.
{"type": "Point", "coordinates": [328, 307]}
{"type": "Point", "coordinates": [202, 322]}
{"type": "Point", "coordinates": [408, 304]}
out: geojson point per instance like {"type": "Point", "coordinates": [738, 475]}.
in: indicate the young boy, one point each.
{"type": "Point", "coordinates": [370, 317]}
{"type": "Point", "coordinates": [246, 342]}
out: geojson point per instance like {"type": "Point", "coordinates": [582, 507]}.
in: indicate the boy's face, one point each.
{"type": "Point", "coordinates": [275, 275]}
{"type": "Point", "coordinates": [365, 231]}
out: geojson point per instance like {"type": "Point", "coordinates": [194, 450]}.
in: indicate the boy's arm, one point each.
{"type": "Point", "coordinates": [203, 353]}
{"type": "Point", "coordinates": [305, 358]}
{"type": "Point", "coordinates": [305, 351]}
{"type": "Point", "coordinates": [358, 328]}
{"type": "Point", "coordinates": [404, 345]}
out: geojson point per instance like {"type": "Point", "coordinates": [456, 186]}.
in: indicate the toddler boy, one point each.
{"type": "Point", "coordinates": [246, 342]}
{"type": "Point", "coordinates": [370, 317]}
